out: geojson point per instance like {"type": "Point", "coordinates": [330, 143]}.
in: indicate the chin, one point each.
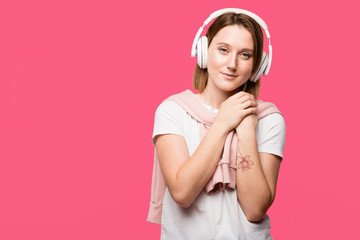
{"type": "Point", "coordinates": [229, 87]}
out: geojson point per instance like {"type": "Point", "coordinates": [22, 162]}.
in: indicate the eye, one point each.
{"type": "Point", "coordinates": [245, 55]}
{"type": "Point", "coordinates": [223, 50]}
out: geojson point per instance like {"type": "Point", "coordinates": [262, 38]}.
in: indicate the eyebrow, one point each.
{"type": "Point", "coordinates": [228, 45]}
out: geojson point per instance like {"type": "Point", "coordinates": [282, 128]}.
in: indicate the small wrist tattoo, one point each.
{"type": "Point", "coordinates": [244, 162]}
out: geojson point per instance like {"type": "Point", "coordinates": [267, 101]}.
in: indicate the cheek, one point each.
{"type": "Point", "coordinates": [247, 66]}
{"type": "Point", "coordinates": [215, 60]}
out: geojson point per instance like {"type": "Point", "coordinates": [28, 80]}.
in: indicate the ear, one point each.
{"type": "Point", "coordinates": [202, 54]}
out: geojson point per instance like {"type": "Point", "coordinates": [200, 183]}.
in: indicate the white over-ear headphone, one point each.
{"type": "Point", "coordinates": [201, 43]}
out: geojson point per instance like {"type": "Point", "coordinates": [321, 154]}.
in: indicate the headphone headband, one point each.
{"type": "Point", "coordinates": [234, 10]}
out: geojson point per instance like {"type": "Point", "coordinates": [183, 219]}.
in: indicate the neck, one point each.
{"type": "Point", "coordinates": [214, 97]}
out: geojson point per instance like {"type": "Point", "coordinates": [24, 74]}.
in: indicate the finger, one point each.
{"type": "Point", "coordinates": [244, 97]}
{"type": "Point", "coordinates": [245, 94]}
{"type": "Point", "coordinates": [250, 110]}
{"type": "Point", "coordinates": [238, 95]}
{"type": "Point", "coordinates": [249, 103]}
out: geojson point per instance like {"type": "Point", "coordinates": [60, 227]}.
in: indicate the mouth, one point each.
{"type": "Point", "coordinates": [229, 75]}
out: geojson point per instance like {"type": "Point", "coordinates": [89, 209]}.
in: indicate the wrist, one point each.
{"type": "Point", "coordinates": [220, 128]}
{"type": "Point", "coordinates": [245, 132]}
{"type": "Point", "coordinates": [246, 127]}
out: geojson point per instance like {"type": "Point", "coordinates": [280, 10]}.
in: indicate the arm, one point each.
{"type": "Point", "coordinates": [185, 175]}
{"type": "Point", "coordinates": [256, 186]}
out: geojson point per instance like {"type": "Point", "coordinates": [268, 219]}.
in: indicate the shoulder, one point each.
{"type": "Point", "coordinates": [168, 108]}
{"type": "Point", "coordinates": [172, 104]}
{"type": "Point", "coordinates": [269, 113]}
{"type": "Point", "coordinates": [272, 134]}
{"type": "Point", "coordinates": [170, 118]}
{"type": "Point", "coordinates": [273, 120]}
{"type": "Point", "coordinates": [169, 111]}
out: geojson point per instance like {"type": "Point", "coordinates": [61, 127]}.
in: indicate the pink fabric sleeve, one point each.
{"type": "Point", "coordinates": [158, 187]}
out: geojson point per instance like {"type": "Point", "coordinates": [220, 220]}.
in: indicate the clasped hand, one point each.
{"type": "Point", "coordinates": [238, 111]}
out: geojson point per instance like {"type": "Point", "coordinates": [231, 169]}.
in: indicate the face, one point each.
{"type": "Point", "coordinates": [230, 58]}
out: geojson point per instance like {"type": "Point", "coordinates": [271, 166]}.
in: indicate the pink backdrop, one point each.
{"type": "Point", "coordinates": [79, 85]}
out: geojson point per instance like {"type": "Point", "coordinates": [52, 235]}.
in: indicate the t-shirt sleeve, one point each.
{"type": "Point", "coordinates": [168, 119]}
{"type": "Point", "coordinates": [272, 134]}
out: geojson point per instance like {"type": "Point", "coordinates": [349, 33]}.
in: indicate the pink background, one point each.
{"type": "Point", "coordinates": [79, 85]}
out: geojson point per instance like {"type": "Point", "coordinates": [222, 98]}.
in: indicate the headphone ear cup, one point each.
{"type": "Point", "coordinates": [264, 61]}
{"type": "Point", "coordinates": [202, 52]}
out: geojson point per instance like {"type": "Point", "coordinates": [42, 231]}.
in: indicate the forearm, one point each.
{"type": "Point", "coordinates": [195, 173]}
{"type": "Point", "coordinates": [253, 191]}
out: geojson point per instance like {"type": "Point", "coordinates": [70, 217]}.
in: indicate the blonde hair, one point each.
{"type": "Point", "coordinates": [200, 76]}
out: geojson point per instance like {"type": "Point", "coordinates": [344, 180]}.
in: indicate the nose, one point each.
{"type": "Point", "coordinates": [232, 62]}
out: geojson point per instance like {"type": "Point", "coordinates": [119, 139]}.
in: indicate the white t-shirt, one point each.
{"type": "Point", "coordinates": [216, 216]}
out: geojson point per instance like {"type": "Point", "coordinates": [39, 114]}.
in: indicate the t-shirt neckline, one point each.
{"type": "Point", "coordinates": [208, 107]}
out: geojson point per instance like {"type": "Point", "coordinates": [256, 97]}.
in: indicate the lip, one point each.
{"type": "Point", "coordinates": [229, 75]}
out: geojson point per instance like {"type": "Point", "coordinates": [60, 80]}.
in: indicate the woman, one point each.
{"type": "Point", "coordinates": [192, 158]}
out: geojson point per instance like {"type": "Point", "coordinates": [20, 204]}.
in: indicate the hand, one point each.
{"type": "Point", "coordinates": [234, 109]}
